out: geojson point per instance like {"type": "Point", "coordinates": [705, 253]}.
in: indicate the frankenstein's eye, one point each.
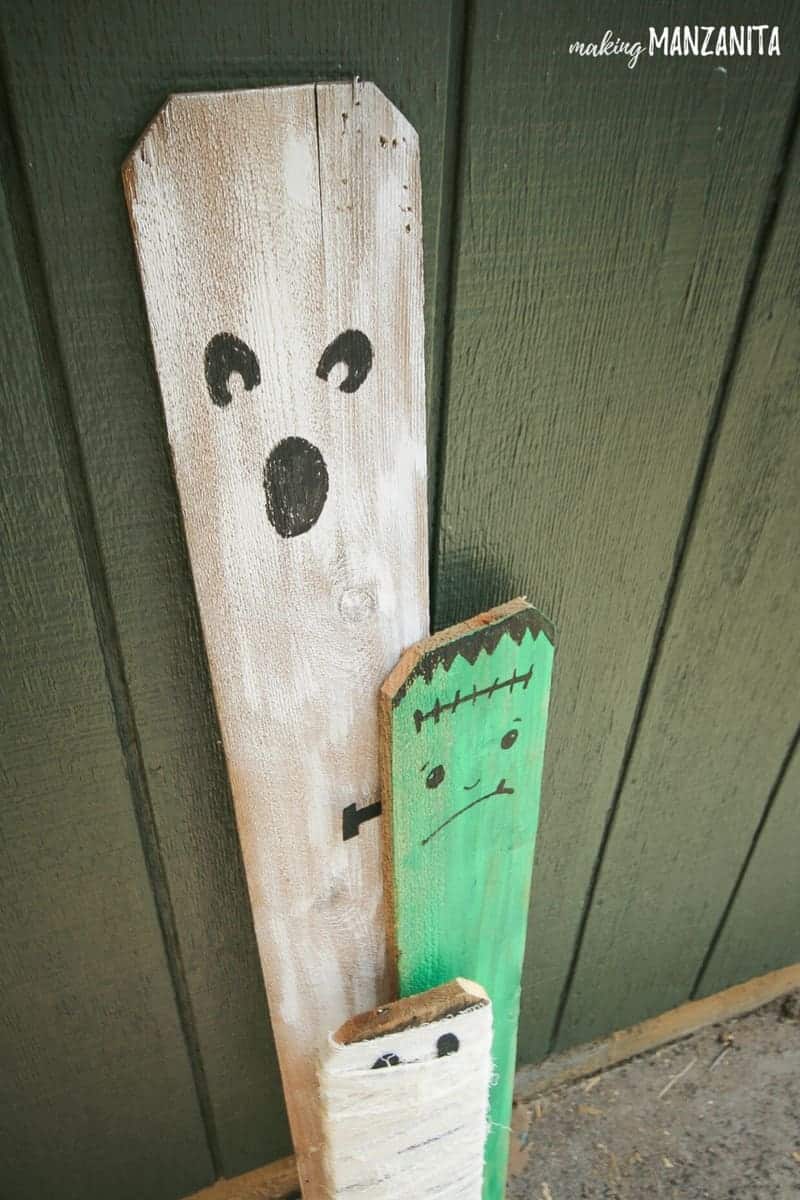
{"type": "Point", "coordinates": [434, 777]}
{"type": "Point", "coordinates": [508, 739]}
{"type": "Point", "coordinates": [354, 349]}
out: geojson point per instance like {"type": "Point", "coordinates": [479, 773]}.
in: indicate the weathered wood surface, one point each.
{"type": "Point", "coordinates": [82, 961]}
{"type": "Point", "coordinates": [278, 233]}
{"type": "Point", "coordinates": [410, 1011]}
{"type": "Point", "coordinates": [463, 721]}
{"type": "Point", "coordinates": [606, 219]}
{"type": "Point", "coordinates": [82, 85]}
{"type": "Point", "coordinates": [723, 707]}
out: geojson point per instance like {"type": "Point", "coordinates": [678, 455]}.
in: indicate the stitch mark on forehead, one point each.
{"type": "Point", "coordinates": [451, 705]}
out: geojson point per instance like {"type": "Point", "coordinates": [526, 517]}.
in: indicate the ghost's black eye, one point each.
{"type": "Point", "coordinates": [508, 739]}
{"type": "Point", "coordinates": [227, 355]}
{"type": "Point", "coordinates": [434, 777]}
{"type": "Point", "coordinates": [389, 1059]}
{"type": "Point", "coordinates": [448, 1043]}
{"type": "Point", "coordinates": [354, 349]}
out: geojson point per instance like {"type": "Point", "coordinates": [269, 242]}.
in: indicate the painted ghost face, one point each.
{"type": "Point", "coordinates": [295, 474]}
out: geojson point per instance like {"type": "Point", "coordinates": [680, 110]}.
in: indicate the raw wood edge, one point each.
{"type": "Point", "coordinates": [670, 1026]}
{"type": "Point", "coordinates": [436, 1004]}
{"type": "Point", "coordinates": [387, 855]}
{"type": "Point", "coordinates": [279, 1181]}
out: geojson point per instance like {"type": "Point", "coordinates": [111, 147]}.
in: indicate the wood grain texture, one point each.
{"type": "Point", "coordinates": [93, 1059]}
{"type": "Point", "coordinates": [463, 722]}
{"type": "Point", "coordinates": [762, 930]}
{"type": "Point", "coordinates": [724, 704]}
{"type": "Point", "coordinates": [82, 84]}
{"type": "Point", "coordinates": [278, 232]}
{"type": "Point", "coordinates": [410, 1011]}
{"type": "Point", "coordinates": [605, 227]}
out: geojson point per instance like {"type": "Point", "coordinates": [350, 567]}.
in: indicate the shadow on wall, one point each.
{"type": "Point", "coordinates": [468, 582]}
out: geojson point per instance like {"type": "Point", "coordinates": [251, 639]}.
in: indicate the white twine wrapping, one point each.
{"type": "Point", "coordinates": [411, 1131]}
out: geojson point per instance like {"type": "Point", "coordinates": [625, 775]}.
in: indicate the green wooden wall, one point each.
{"type": "Point", "coordinates": [614, 367]}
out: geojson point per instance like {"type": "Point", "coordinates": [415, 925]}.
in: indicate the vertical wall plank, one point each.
{"type": "Point", "coordinates": [723, 708]}
{"type": "Point", "coordinates": [84, 81]}
{"type": "Point", "coordinates": [762, 930]}
{"type": "Point", "coordinates": [96, 1090]}
{"type": "Point", "coordinates": [605, 228]}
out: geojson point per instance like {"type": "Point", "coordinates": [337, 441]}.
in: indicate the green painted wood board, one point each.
{"type": "Point", "coordinates": [82, 85]}
{"type": "Point", "coordinates": [722, 710]}
{"type": "Point", "coordinates": [463, 722]}
{"type": "Point", "coordinates": [91, 1045]}
{"type": "Point", "coordinates": [605, 223]}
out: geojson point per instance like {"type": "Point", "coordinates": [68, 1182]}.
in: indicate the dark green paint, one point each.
{"type": "Point", "coordinates": [605, 228]}
{"type": "Point", "coordinates": [467, 746]}
{"type": "Point", "coordinates": [91, 1049]}
{"type": "Point", "coordinates": [606, 224]}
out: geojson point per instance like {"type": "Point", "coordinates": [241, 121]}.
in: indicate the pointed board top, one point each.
{"type": "Point", "coordinates": [467, 640]}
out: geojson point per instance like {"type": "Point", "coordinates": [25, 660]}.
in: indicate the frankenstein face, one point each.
{"type": "Point", "coordinates": [469, 729]}
{"type": "Point", "coordinates": [494, 759]}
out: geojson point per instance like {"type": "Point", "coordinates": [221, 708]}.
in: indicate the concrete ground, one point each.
{"type": "Point", "coordinates": [713, 1117]}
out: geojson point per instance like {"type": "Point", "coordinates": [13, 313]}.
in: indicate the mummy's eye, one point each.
{"type": "Point", "coordinates": [448, 1043]}
{"type": "Point", "coordinates": [389, 1059]}
{"type": "Point", "coordinates": [434, 777]}
{"type": "Point", "coordinates": [354, 349]}
{"type": "Point", "coordinates": [508, 739]}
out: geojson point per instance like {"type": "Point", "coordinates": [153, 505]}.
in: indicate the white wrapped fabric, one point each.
{"type": "Point", "coordinates": [414, 1129]}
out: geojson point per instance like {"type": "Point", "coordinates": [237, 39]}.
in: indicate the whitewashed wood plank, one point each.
{"type": "Point", "coordinates": [268, 224]}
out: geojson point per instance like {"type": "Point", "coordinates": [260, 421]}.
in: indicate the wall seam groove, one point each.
{"type": "Point", "coordinates": [445, 288]}
{"type": "Point", "coordinates": [772, 202]}
{"type": "Point", "coordinates": [772, 796]}
{"type": "Point", "coordinates": [62, 422]}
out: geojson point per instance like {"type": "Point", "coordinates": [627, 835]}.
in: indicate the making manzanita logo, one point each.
{"type": "Point", "coordinates": [698, 41]}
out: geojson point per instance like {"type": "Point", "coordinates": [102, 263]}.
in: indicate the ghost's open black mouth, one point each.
{"type": "Point", "coordinates": [500, 790]}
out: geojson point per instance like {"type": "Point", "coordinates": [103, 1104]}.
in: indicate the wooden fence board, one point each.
{"type": "Point", "coordinates": [83, 82]}
{"type": "Point", "coordinates": [463, 723]}
{"type": "Point", "coordinates": [94, 1065]}
{"type": "Point", "coordinates": [724, 704]}
{"type": "Point", "coordinates": [284, 293]}
{"type": "Point", "coordinates": [606, 221]}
